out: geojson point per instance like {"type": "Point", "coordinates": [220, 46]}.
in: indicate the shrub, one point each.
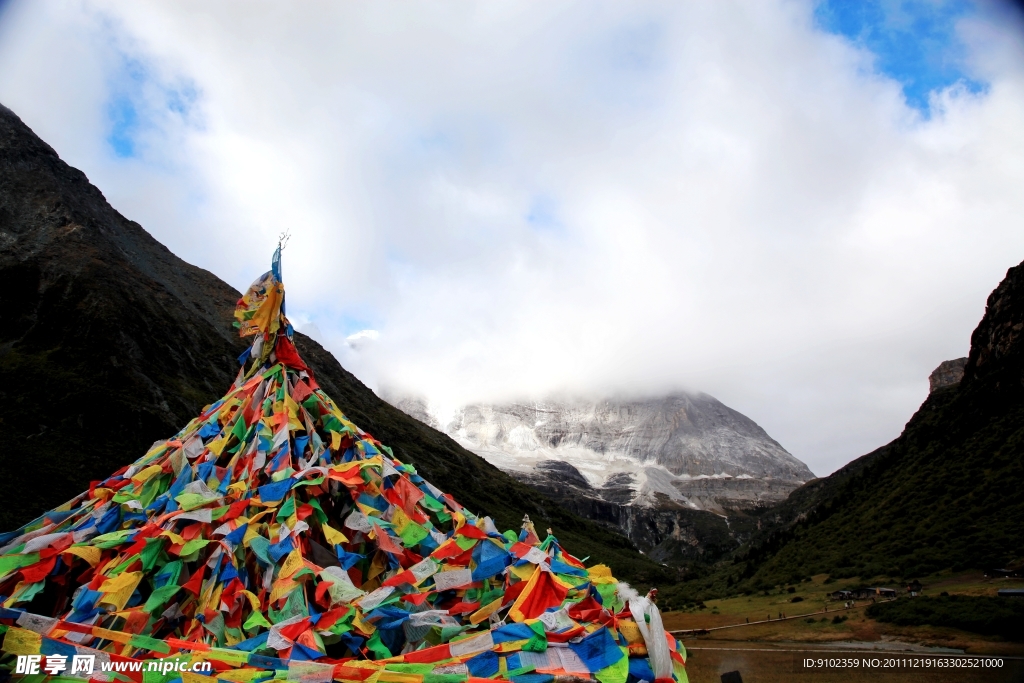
{"type": "Point", "coordinates": [791, 589]}
{"type": "Point", "coordinates": [977, 614]}
{"type": "Point", "coordinates": [838, 619]}
{"type": "Point", "coordinates": [796, 599]}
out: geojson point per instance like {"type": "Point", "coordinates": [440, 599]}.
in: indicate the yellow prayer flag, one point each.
{"type": "Point", "coordinates": [400, 519]}
{"type": "Point", "coordinates": [292, 564]}
{"type": "Point", "coordinates": [523, 572]}
{"type": "Point", "coordinates": [20, 641]}
{"type": "Point", "coordinates": [333, 536]}
{"type": "Point", "coordinates": [86, 552]}
{"type": "Point", "coordinates": [119, 589]}
{"type": "Point", "coordinates": [399, 677]}
{"type": "Point", "coordinates": [147, 474]}
{"type": "Point", "coordinates": [485, 611]}
{"type": "Point", "coordinates": [250, 533]}
{"type": "Point", "coordinates": [121, 581]}
{"type": "Point", "coordinates": [238, 675]}
{"type": "Point", "coordinates": [267, 316]}
{"type": "Point", "coordinates": [212, 600]}
{"type": "Point", "coordinates": [175, 538]}
{"type": "Point", "coordinates": [281, 588]}
{"type": "Point", "coordinates": [630, 631]}
{"type": "Point", "coordinates": [217, 445]}
{"type": "Point", "coordinates": [291, 405]}
{"type": "Point", "coordinates": [107, 634]}
{"type": "Point", "coordinates": [600, 573]}
{"type": "Point", "coordinates": [364, 627]}
{"type": "Point", "coordinates": [254, 601]}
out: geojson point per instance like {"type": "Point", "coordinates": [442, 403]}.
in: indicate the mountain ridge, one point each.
{"type": "Point", "coordinates": [948, 493]}
{"type": "Point", "coordinates": [671, 471]}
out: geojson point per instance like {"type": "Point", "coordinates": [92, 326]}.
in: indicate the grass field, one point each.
{"type": "Point", "coordinates": [769, 651]}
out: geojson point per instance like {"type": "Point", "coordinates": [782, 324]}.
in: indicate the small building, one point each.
{"type": "Point", "coordinates": [1002, 573]}
{"type": "Point", "coordinates": [883, 592]}
{"type": "Point", "coordinates": [1011, 593]}
{"type": "Point", "coordinates": [914, 588]}
{"type": "Point", "coordinates": [840, 595]}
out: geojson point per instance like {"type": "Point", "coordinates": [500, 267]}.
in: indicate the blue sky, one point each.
{"type": "Point", "coordinates": [914, 42]}
{"type": "Point", "coordinates": [756, 200]}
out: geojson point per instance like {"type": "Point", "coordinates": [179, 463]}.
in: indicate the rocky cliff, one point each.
{"type": "Point", "coordinates": [668, 471]}
{"type": "Point", "coordinates": [949, 373]}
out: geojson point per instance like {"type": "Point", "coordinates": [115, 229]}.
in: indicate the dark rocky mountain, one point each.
{"type": "Point", "coordinates": [947, 493]}
{"type": "Point", "coordinates": [108, 342]}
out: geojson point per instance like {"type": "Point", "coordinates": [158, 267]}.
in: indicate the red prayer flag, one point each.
{"type": "Point", "coordinates": [542, 591]}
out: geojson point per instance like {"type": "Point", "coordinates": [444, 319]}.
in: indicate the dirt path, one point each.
{"type": "Point", "coordinates": [694, 631]}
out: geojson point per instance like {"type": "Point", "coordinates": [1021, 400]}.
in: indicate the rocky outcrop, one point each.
{"type": "Point", "coordinates": [668, 532]}
{"type": "Point", "coordinates": [949, 373]}
{"type": "Point", "coordinates": [667, 471]}
{"type": "Point", "coordinates": [687, 448]}
{"type": "Point", "coordinates": [997, 344]}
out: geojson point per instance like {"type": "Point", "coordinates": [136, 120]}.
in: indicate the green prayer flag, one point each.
{"type": "Point", "coordinates": [151, 552]}
{"type": "Point", "coordinates": [9, 563]}
{"type": "Point", "coordinates": [193, 545]}
{"type": "Point", "coordinates": [539, 641]}
{"type": "Point", "coordinates": [256, 619]}
{"type": "Point", "coordinates": [148, 643]}
{"type": "Point", "coordinates": [261, 547]}
{"type": "Point", "coordinates": [287, 509]}
{"type": "Point", "coordinates": [158, 597]}
{"type": "Point", "coordinates": [238, 430]}
{"type": "Point", "coordinates": [412, 534]}
{"type": "Point", "coordinates": [617, 672]}
{"type": "Point", "coordinates": [191, 501]}
{"type": "Point", "coordinates": [378, 648]}
{"type": "Point", "coordinates": [318, 511]}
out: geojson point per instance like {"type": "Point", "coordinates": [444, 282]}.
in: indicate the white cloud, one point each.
{"type": "Point", "coordinates": [563, 196]}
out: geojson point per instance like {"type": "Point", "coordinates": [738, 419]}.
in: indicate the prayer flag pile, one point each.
{"type": "Point", "coordinates": [274, 539]}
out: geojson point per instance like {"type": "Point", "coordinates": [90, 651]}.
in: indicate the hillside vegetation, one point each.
{"type": "Point", "coordinates": [978, 614]}
{"type": "Point", "coordinates": [947, 493]}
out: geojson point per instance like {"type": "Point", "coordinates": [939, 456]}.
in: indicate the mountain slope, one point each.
{"type": "Point", "coordinates": [947, 493]}
{"type": "Point", "coordinates": [688, 448]}
{"type": "Point", "coordinates": [109, 342]}
{"type": "Point", "coordinates": [674, 472]}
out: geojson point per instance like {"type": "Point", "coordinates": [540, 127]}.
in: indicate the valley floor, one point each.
{"type": "Point", "coordinates": [774, 650]}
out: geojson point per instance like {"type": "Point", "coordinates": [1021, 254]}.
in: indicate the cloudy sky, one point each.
{"type": "Point", "coordinates": [796, 207]}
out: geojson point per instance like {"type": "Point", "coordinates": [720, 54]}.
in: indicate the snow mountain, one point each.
{"type": "Point", "coordinates": [640, 464]}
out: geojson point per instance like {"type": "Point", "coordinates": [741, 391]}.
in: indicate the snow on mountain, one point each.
{"type": "Point", "coordinates": [686, 450]}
